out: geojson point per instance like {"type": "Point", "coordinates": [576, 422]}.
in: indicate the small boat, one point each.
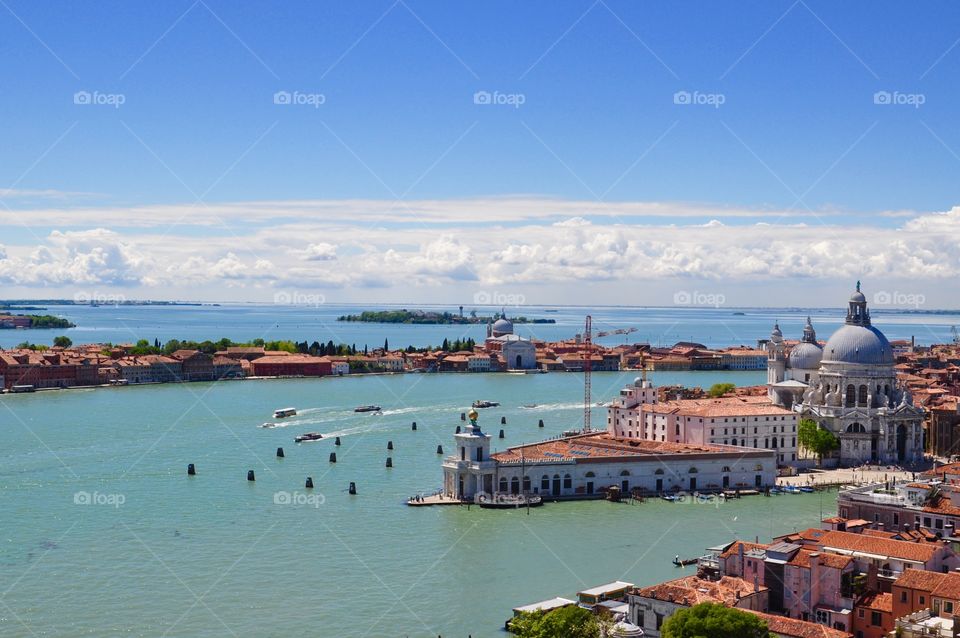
{"type": "Point", "coordinates": [509, 501]}
{"type": "Point", "coordinates": [530, 406]}
{"type": "Point", "coordinates": [668, 497]}
{"type": "Point", "coordinates": [367, 408]}
{"type": "Point", "coordinates": [677, 562]}
{"type": "Point", "coordinates": [776, 490]}
{"type": "Point", "coordinates": [268, 424]}
{"type": "Point", "coordinates": [485, 404]}
{"type": "Point", "coordinates": [807, 490]}
{"type": "Point", "coordinates": [283, 413]}
{"type": "Point", "coordinates": [309, 436]}
{"type": "Point", "coordinates": [790, 489]}
{"type": "Point", "coordinates": [571, 432]}
{"type": "Point", "coordinates": [739, 314]}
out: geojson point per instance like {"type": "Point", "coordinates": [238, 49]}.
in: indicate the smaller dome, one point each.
{"type": "Point", "coordinates": [858, 297]}
{"type": "Point", "coordinates": [776, 335]}
{"type": "Point", "coordinates": [502, 327]}
{"type": "Point", "coordinates": [805, 356]}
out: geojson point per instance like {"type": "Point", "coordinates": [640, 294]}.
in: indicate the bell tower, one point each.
{"type": "Point", "coordinates": [776, 361]}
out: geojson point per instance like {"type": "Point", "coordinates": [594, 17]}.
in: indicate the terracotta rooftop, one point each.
{"type": "Point", "coordinates": [794, 628]}
{"type": "Point", "coordinates": [602, 445]}
{"type": "Point", "coordinates": [877, 602]}
{"type": "Point", "coordinates": [720, 407]}
{"type": "Point", "coordinates": [845, 541]}
{"type": "Point", "coordinates": [693, 590]}
{"type": "Point", "coordinates": [948, 587]}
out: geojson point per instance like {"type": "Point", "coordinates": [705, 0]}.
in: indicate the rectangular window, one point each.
{"type": "Point", "coordinates": [875, 618]}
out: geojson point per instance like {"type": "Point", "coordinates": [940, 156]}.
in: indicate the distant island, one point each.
{"type": "Point", "coordinates": [34, 321]}
{"type": "Point", "coordinates": [430, 318]}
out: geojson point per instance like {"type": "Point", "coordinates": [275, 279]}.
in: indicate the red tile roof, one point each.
{"type": "Point", "coordinates": [846, 541]}
{"type": "Point", "coordinates": [693, 590]}
{"type": "Point", "coordinates": [793, 628]}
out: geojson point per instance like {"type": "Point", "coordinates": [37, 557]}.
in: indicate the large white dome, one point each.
{"type": "Point", "coordinates": [858, 344]}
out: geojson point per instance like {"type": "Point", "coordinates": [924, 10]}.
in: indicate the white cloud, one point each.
{"type": "Point", "coordinates": [321, 251]}
{"type": "Point", "coordinates": [547, 242]}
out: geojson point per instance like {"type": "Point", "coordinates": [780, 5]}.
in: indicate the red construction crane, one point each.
{"type": "Point", "coordinates": [587, 369]}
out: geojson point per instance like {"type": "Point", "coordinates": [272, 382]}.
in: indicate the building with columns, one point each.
{"type": "Point", "coordinates": [851, 389]}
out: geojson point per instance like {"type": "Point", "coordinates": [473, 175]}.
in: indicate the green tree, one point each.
{"type": "Point", "coordinates": [566, 622]}
{"type": "Point", "coordinates": [818, 440]}
{"type": "Point", "coordinates": [720, 389]}
{"type": "Point", "coordinates": [62, 342]}
{"type": "Point", "coordinates": [709, 620]}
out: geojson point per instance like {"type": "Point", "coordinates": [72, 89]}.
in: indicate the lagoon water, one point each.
{"type": "Point", "coordinates": [104, 534]}
{"type": "Point", "coordinates": [711, 326]}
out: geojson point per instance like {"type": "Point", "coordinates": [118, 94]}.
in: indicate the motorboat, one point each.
{"type": "Point", "coordinates": [268, 424]}
{"type": "Point", "coordinates": [283, 413]}
{"type": "Point", "coordinates": [309, 436]}
{"type": "Point", "coordinates": [367, 408]}
{"type": "Point", "coordinates": [807, 490]}
{"type": "Point", "coordinates": [485, 404]}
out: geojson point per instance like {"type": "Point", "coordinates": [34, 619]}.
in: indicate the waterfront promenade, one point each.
{"type": "Point", "coordinates": [848, 476]}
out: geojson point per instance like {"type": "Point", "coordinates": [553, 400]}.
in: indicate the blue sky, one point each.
{"type": "Point", "coordinates": [785, 130]}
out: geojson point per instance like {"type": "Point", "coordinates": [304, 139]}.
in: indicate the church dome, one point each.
{"type": "Point", "coordinates": [502, 327]}
{"type": "Point", "coordinates": [858, 344]}
{"type": "Point", "coordinates": [805, 356]}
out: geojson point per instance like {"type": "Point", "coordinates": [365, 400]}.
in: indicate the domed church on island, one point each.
{"type": "Point", "coordinates": [848, 386]}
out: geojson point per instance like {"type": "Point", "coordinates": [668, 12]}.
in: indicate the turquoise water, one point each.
{"type": "Point", "coordinates": [154, 542]}
{"type": "Point", "coordinates": [713, 327]}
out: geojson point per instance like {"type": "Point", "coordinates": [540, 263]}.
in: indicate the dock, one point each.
{"type": "Point", "coordinates": [434, 499]}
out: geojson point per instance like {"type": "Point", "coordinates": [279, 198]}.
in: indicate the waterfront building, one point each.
{"type": "Point", "coordinates": [584, 465]}
{"type": "Point", "coordinates": [516, 352]}
{"type": "Point", "coordinates": [850, 388]}
{"type": "Point", "coordinates": [747, 421]}
{"type": "Point", "coordinates": [478, 362]}
{"type": "Point", "coordinates": [196, 365]}
{"type": "Point", "coordinates": [291, 365]}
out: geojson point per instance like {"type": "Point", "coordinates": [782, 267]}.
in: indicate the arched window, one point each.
{"type": "Point", "coordinates": [692, 470]}
{"type": "Point", "coordinates": [862, 399]}
{"type": "Point", "coordinates": [590, 475]}
{"type": "Point", "coordinates": [851, 396]}
{"type": "Point", "coordinates": [659, 471]}
{"type": "Point", "coordinates": [726, 468]}
{"type": "Point", "coordinates": [526, 483]}
{"type": "Point", "coordinates": [855, 428]}
{"type": "Point", "coordinates": [625, 473]}
{"type": "Point", "coordinates": [758, 467]}
{"type": "Point", "coordinates": [515, 485]}
{"type": "Point", "coordinates": [503, 484]}
{"type": "Point", "coordinates": [567, 482]}
{"type": "Point", "coordinates": [545, 483]}
{"type": "Point", "coordinates": [733, 442]}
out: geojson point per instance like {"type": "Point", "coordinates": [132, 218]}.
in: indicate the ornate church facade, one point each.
{"type": "Point", "coordinates": [849, 386]}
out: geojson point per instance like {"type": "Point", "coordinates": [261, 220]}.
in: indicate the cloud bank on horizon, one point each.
{"type": "Point", "coordinates": [547, 250]}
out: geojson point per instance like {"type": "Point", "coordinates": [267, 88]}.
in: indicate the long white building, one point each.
{"type": "Point", "coordinates": [584, 465]}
